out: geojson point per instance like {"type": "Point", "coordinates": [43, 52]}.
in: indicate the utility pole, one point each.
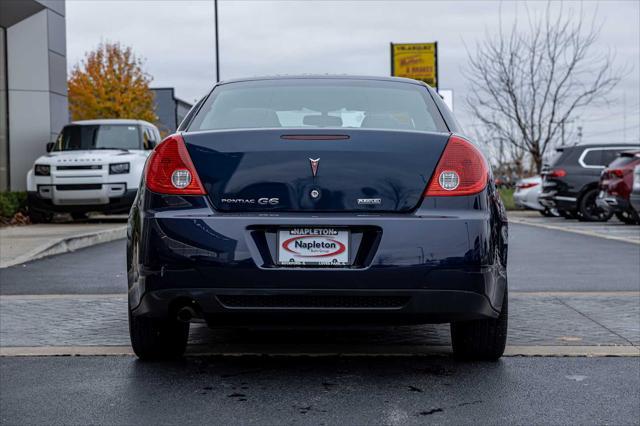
{"type": "Point", "coordinates": [579, 134]}
{"type": "Point", "coordinates": [215, 10]}
{"type": "Point", "coordinates": [624, 116]}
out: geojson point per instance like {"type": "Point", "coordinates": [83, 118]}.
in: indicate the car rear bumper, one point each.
{"type": "Point", "coordinates": [319, 306]}
{"type": "Point", "coordinates": [527, 200]}
{"type": "Point", "coordinates": [612, 203]}
{"type": "Point", "coordinates": [120, 204]}
{"type": "Point", "coordinates": [558, 201]}
{"type": "Point", "coordinates": [428, 266]}
{"type": "Point", "coordinates": [634, 199]}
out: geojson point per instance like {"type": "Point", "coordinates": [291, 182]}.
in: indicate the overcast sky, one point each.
{"type": "Point", "coordinates": [176, 38]}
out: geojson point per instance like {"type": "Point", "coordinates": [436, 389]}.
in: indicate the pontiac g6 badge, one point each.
{"type": "Point", "coordinates": [314, 166]}
{"type": "Point", "coordinates": [263, 201]}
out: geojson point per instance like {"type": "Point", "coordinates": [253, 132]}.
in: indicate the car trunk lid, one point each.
{"type": "Point", "coordinates": [315, 170]}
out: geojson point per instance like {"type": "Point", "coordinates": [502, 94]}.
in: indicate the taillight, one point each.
{"type": "Point", "coordinates": [557, 173]}
{"type": "Point", "coordinates": [527, 185]}
{"type": "Point", "coordinates": [462, 170]}
{"type": "Point", "coordinates": [616, 172]}
{"type": "Point", "coordinates": [170, 170]}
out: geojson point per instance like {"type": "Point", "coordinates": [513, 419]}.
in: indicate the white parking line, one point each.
{"type": "Point", "coordinates": [575, 231]}
{"type": "Point", "coordinates": [63, 296]}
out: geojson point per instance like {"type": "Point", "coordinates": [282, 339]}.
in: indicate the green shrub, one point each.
{"type": "Point", "coordinates": [11, 203]}
{"type": "Point", "coordinates": [507, 198]}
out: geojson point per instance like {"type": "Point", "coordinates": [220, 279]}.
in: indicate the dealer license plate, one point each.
{"type": "Point", "coordinates": [313, 246]}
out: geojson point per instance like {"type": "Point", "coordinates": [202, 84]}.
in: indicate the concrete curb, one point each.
{"type": "Point", "coordinates": [68, 244]}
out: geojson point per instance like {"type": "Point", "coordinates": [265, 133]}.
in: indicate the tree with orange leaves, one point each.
{"type": "Point", "coordinates": [110, 83]}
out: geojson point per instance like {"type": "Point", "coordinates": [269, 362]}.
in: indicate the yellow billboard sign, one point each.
{"type": "Point", "coordinates": [415, 60]}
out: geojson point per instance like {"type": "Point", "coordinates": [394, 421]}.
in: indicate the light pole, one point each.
{"type": "Point", "coordinates": [215, 11]}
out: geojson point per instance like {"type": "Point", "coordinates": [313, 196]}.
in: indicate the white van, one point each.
{"type": "Point", "coordinates": [93, 166]}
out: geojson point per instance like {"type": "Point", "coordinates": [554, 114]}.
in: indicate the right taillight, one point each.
{"type": "Point", "coordinates": [169, 169]}
{"type": "Point", "coordinates": [526, 185]}
{"type": "Point", "coordinates": [462, 170]}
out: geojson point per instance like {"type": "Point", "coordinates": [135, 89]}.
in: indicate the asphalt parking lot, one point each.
{"type": "Point", "coordinates": [574, 341]}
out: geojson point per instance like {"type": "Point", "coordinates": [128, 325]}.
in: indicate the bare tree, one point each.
{"type": "Point", "coordinates": [528, 83]}
{"type": "Point", "coordinates": [502, 154]}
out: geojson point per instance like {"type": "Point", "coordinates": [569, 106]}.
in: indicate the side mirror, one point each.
{"type": "Point", "coordinates": [151, 144]}
{"type": "Point", "coordinates": [50, 146]}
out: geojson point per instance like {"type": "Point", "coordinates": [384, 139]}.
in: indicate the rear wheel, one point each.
{"type": "Point", "coordinates": [156, 339]}
{"type": "Point", "coordinates": [589, 210]}
{"type": "Point", "coordinates": [629, 217]}
{"type": "Point", "coordinates": [482, 339]}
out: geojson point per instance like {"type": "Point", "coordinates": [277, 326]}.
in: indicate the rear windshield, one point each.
{"type": "Point", "coordinates": [555, 157]}
{"type": "Point", "coordinates": [623, 160]}
{"type": "Point", "coordinates": [103, 136]}
{"type": "Point", "coordinates": [319, 103]}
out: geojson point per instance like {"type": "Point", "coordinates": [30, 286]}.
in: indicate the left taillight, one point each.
{"type": "Point", "coordinates": [619, 173]}
{"type": "Point", "coordinates": [169, 169]}
{"type": "Point", "coordinates": [462, 170]}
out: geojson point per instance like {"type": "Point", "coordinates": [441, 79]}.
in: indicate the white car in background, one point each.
{"type": "Point", "coordinates": [526, 196]}
{"type": "Point", "coordinates": [93, 166]}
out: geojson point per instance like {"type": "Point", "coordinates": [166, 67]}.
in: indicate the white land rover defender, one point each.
{"type": "Point", "coordinates": [93, 166]}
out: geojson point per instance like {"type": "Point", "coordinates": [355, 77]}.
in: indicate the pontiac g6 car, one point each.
{"type": "Point", "coordinates": [318, 200]}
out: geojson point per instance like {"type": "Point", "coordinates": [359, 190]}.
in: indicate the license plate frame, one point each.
{"type": "Point", "coordinates": [315, 255]}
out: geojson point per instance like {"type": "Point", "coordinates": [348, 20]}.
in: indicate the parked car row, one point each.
{"type": "Point", "coordinates": [95, 165]}
{"type": "Point", "coordinates": [585, 182]}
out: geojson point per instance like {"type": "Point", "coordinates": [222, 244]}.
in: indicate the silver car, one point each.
{"type": "Point", "coordinates": [526, 195]}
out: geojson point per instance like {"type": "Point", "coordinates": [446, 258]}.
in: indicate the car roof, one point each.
{"type": "Point", "coordinates": [110, 121]}
{"type": "Point", "coordinates": [598, 145]}
{"type": "Point", "coordinates": [324, 77]}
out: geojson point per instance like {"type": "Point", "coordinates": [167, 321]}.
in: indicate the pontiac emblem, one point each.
{"type": "Point", "coordinates": [314, 166]}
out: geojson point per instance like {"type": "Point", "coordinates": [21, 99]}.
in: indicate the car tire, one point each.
{"type": "Point", "coordinates": [158, 338]}
{"type": "Point", "coordinates": [628, 217]}
{"type": "Point", "coordinates": [589, 211]}
{"type": "Point", "coordinates": [39, 216]}
{"type": "Point", "coordinates": [483, 340]}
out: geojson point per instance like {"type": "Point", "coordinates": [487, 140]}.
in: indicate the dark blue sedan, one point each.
{"type": "Point", "coordinates": [318, 200]}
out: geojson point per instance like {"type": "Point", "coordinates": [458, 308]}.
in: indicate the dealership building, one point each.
{"type": "Point", "coordinates": [33, 84]}
{"type": "Point", "coordinates": [169, 109]}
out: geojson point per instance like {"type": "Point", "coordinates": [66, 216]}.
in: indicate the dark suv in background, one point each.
{"type": "Point", "coordinates": [570, 182]}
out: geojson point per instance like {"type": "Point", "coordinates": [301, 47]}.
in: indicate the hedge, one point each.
{"type": "Point", "coordinates": [11, 203]}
